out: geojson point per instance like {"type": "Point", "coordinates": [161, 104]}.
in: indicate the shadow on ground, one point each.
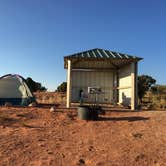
{"type": "Point", "coordinates": [129, 119]}
{"type": "Point", "coordinates": [21, 120]}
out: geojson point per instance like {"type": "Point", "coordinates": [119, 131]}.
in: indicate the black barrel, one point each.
{"type": "Point", "coordinates": [84, 113]}
{"type": "Point", "coordinates": [94, 114]}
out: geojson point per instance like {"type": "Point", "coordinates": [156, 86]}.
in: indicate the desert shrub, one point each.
{"type": "Point", "coordinates": [62, 87]}
{"type": "Point", "coordinates": [145, 83]}
{"type": "Point", "coordinates": [34, 86]}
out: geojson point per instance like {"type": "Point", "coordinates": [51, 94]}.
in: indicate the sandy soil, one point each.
{"type": "Point", "coordinates": [35, 136]}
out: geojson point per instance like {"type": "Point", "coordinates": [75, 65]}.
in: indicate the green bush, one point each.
{"type": "Point", "coordinates": [62, 87]}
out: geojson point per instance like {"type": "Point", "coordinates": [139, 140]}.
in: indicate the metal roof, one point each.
{"type": "Point", "coordinates": [101, 54]}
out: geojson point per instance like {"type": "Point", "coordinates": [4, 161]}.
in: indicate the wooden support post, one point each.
{"type": "Point", "coordinates": [69, 84]}
{"type": "Point", "coordinates": [134, 98]}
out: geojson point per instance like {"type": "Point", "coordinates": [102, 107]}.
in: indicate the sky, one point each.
{"type": "Point", "coordinates": [35, 35]}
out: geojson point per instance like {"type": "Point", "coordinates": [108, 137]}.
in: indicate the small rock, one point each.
{"type": "Point", "coordinates": [140, 157]}
{"type": "Point", "coordinates": [90, 148]}
{"type": "Point", "coordinates": [52, 109]}
{"type": "Point", "coordinates": [32, 104]}
{"type": "Point", "coordinates": [73, 132]}
{"type": "Point", "coordinates": [137, 135]}
{"type": "Point", "coordinates": [81, 161]}
{"type": "Point", "coordinates": [8, 104]}
{"type": "Point", "coordinates": [44, 123]}
{"type": "Point", "coordinates": [42, 145]}
{"type": "Point", "coordinates": [49, 152]}
{"type": "Point", "coordinates": [26, 146]}
{"type": "Point", "coordinates": [63, 156]}
{"type": "Point", "coordinates": [3, 127]}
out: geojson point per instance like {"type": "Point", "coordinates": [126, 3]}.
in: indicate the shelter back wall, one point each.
{"type": "Point", "coordinates": [81, 80]}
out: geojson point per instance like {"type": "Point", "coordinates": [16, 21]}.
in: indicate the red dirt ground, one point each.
{"type": "Point", "coordinates": [37, 137]}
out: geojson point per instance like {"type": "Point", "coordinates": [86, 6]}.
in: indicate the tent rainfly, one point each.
{"type": "Point", "coordinates": [14, 90]}
{"type": "Point", "coordinates": [115, 73]}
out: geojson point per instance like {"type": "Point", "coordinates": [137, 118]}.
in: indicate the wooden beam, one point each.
{"type": "Point", "coordinates": [124, 87]}
{"type": "Point", "coordinates": [93, 69]}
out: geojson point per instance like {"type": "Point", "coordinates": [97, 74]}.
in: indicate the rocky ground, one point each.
{"type": "Point", "coordinates": [37, 137]}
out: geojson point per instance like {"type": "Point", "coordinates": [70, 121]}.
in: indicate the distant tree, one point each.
{"type": "Point", "coordinates": [62, 87]}
{"type": "Point", "coordinates": [145, 83]}
{"type": "Point", "coordinates": [160, 89]}
{"type": "Point", "coordinates": [154, 89]}
{"type": "Point", "coordinates": [34, 86]}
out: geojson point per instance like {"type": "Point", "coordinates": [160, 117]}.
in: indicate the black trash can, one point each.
{"type": "Point", "coordinates": [94, 113]}
{"type": "Point", "coordinates": [84, 113]}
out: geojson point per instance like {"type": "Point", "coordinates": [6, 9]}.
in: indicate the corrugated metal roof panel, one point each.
{"type": "Point", "coordinates": [101, 54]}
{"type": "Point", "coordinates": [91, 54]}
{"type": "Point", "coordinates": [110, 54]}
{"type": "Point", "coordinates": [104, 52]}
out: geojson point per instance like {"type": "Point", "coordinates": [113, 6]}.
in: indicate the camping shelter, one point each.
{"type": "Point", "coordinates": [14, 90]}
{"type": "Point", "coordinates": [115, 73]}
